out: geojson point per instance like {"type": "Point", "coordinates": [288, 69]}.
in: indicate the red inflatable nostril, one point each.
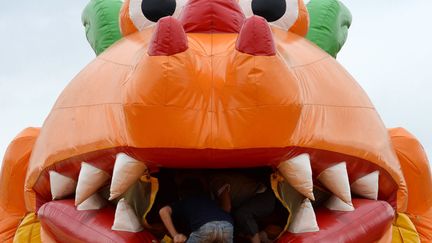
{"type": "Point", "coordinates": [256, 38]}
{"type": "Point", "coordinates": [168, 39]}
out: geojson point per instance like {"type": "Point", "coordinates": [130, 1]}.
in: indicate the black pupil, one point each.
{"type": "Point", "coordinates": [153, 10]}
{"type": "Point", "coordinates": [271, 10]}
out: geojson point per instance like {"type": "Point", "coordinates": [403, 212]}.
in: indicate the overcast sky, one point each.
{"type": "Point", "coordinates": [389, 51]}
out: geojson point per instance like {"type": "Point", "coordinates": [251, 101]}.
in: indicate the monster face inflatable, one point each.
{"type": "Point", "coordinates": [206, 84]}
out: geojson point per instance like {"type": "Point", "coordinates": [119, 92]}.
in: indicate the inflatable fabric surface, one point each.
{"type": "Point", "coordinates": [374, 217]}
{"type": "Point", "coordinates": [63, 221]}
{"type": "Point", "coordinates": [404, 230]}
{"type": "Point", "coordinates": [29, 230]}
{"type": "Point", "coordinates": [13, 205]}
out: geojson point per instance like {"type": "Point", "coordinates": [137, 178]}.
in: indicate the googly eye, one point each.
{"type": "Point", "coordinates": [290, 16]}
{"type": "Point", "coordinates": [271, 10]}
{"type": "Point", "coordinates": [280, 13]}
{"type": "Point", "coordinates": [145, 13]}
{"type": "Point", "coordinates": [154, 10]}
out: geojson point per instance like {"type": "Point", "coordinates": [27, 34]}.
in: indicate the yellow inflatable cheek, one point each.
{"type": "Point", "coordinates": [404, 230]}
{"type": "Point", "coordinates": [29, 230]}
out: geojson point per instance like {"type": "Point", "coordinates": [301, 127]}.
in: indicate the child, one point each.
{"type": "Point", "coordinates": [203, 217]}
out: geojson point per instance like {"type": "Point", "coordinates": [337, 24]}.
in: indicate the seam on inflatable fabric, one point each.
{"type": "Point", "coordinates": [254, 107]}
{"type": "Point", "coordinates": [398, 153]}
{"type": "Point", "coordinates": [90, 105]}
{"type": "Point", "coordinates": [212, 97]}
{"type": "Point", "coordinates": [341, 106]}
{"type": "Point", "coordinates": [117, 63]}
{"type": "Point", "coordinates": [166, 79]}
{"type": "Point", "coordinates": [232, 109]}
{"type": "Point", "coordinates": [311, 63]}
{"type": "Point", "coordinates": [401, 136]}
{"type": "Point", "coordinates": [132, 70]}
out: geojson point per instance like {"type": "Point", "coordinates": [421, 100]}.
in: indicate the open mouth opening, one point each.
{"type": "Point", "coordinates": [255, 191]}
{"type": "Point", "coordinates": [293, 215]}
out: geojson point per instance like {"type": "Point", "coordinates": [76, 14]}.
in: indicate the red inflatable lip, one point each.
{"type": "Point", "coordinates": [61, 218]}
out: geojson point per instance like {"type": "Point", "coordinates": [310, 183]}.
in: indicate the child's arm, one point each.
{"type": "Point", "coordinates": [225, 199]}
{"type": "Point", "coordinates": [165, 214]}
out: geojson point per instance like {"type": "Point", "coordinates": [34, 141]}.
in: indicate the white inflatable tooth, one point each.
{"type": "Point", "coordinates": [298, 173]}
{"type": "Point", "coordinates": [367, 186]}
{"type": "Point", "coordinates": [304, 220]}
{"type": "Point", "coordinates": [127, 171]}
{"type": "Point", "coordinates": [90, 180]}
{"type": "Point", "coordinates": [125, 218]}
{"type": "Point", "coordinates": [61, 186]}
{"type": "Point", "coordinates": [336, 180]}
{"type": "Point", "coordinates": [94, 202]}
{"type": "Point", "coordinates": [336, 204]}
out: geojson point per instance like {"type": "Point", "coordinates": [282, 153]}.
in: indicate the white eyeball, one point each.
{"type": "Point", "coordinates": [280, 13]}
{"type": "Point", "coordinates": [145, 13]}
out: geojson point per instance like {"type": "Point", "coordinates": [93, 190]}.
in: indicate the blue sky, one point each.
{"type": "Point", "coordinates": [388, 51]}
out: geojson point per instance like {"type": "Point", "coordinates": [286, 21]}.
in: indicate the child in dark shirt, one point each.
{"type": "Point", "coordinates": [206, 221]}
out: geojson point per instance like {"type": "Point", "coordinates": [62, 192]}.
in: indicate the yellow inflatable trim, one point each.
{"type": "Point", "coordinates": [404, 230]}
{"type": "Point", "coordinates": [29, 230]}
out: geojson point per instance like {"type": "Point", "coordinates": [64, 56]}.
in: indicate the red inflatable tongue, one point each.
{"type": "Point", "coordinates": [212, 16]}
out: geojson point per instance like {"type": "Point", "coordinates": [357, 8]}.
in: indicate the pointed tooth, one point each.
{"type": "Point", "coordinates": [336, 180]}
{"type": "Point", "coordinates": [298, 173]}
{"type": "Point", "coordinates": [61, 186]}
{"type": "Point", "coordinates": [90, 180]}
{"type": "Point", "coordinates": [336, 204]}
{"type": "Point", "coordinates": [125, 218]}
{"type": "Point", "coordinates": [304, 220]}
{"type": "Point", "coordinates": [94, 202]}
{"type": "Point", "coordinates": [367, 186]}
{"type": "Point", "coordinates": [127, 171]}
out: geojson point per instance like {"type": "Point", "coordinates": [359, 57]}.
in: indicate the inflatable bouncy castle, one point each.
{"type": "Point", "coordinates": [204, 86]}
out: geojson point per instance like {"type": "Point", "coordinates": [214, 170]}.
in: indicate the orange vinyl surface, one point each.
{"type": "Point", "coordinates": [210, 88]}
{"type": "Point", "coordinates": [213, 97]}
{"type": "Point", "coordinates": [417, 172]}
{"type": "Point", "coordinates": [13, 206]}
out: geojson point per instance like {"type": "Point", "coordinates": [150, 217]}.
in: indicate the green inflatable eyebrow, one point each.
{"type": "Point", "coordinates": [329, 24]}
{"type": "Point", "coordinates": [101, 21]}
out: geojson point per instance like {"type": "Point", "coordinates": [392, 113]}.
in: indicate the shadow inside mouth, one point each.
{"type": "Point", "coordinates": [62, 218]}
